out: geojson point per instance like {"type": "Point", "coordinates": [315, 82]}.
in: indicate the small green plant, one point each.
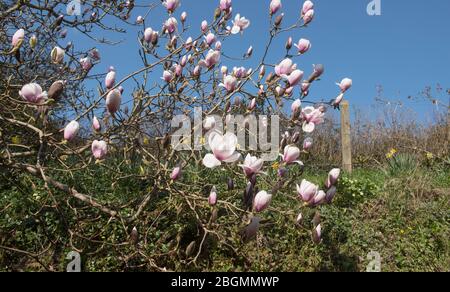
{"type": "Point", "coordinates": [356, 190]}
{"type": "Point", "coordinates": [401, 164]}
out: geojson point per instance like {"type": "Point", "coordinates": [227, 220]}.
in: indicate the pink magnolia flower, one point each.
{"type": "Point", "coordinates": [333, 177]}
{"type": "Point", "coordinates": [262, 201]}
{"type": "Point", "coordinates": [239, 24]}
{"type": "Point", "coordinates": [140, 19]}
{"type": "Point", "coordinates": [291, 154]}
{"type": "Point", "coordinates": [275, 5]}
{"type": "Point", "coordinates": [307, 6]}
{"type": "Point", "coordinates": [296, 105]}
{"type": "Point", "coordinates": [345, 84]}
{"type": "Point", "coordinates": [319, 198]}
{"type": "Point", "coordinates": [308, 17]}
{"type": "Point", "coordinates": [212, 58]}
{"type": "Point", "coordinates": [95, 54]}
{"type": "Point", "coordinates": [167, 76]}
{"type": "Point", "coordinates": [183, 61]}
{"type": "Point", "coordinates": [337, 101]}
{"type": "Point", "coordinates": [176, 173]}
{"type": "Point", "coordinates": [289, 91]}
{"type": "Point", "coordinates": [285, 67]}
{"type": "Point", "coordinates": [71, 130]}
{"type": "Point", "coordinates": [308, 143]}
{"type": "Point", "coordinates": [210, 38]}
{"type": "Point", "coordinates": [86, 63]}
{"type": "Point", "coordinates": [239, 72]}
{"type": "Point", "coordinates": [110, 79]}
{"type": "Point", "coordinates": [171, 5]}
{"type": "Point", "coordinates": [148, 34]}
{"type": "Point", "coordinates": [317, 234]}
{"type": "Point", "coordinates": [178, 70]}
{"type": "Point", "coordinates": [171, 25]}
{"type": "Point", "coordinates": [331, 193]}
{"type": "Point", "coordinates": [212, 199]}
{"type": "Point", "coordinates": [307, 191]}
{"type": "Point", "coordinates": [57, 55]}
{"type": "Point", "coordinates": [183, 16]}
{"type": "Point", "coordinates": [252, 165]}
{"type": "Point", "coordinates": [99, 149]}
{"type": "Point", "coordinates": [18, 38]}
{"type": "Point", "coordinates": [96, 124]}
{"type": "Point", "coordinates": [311, 118]}
{"type": "Point", "coordinates": [204, 26]}
{"type": "Point", "coordinates": [225, 5]}
{"type": "Point", "coordinates": [303, 46]}
{"type": "Point", "coordinates": [223, 149]}
{"type": "Point", "coordinates": [196, 72]}
{"type": "Point", "coordinates": [294, 78]}
{"type": "Point", "coordinates": [113, 100]}
{"type": "Point", "coordinates": [318, 70]}
{"type": "Point", "coordinates": [209, 124]}
{"type": "Point", "coordinates": [229, 83]}
{"type": "Point", "coordinates": [305, 87]}
{"type": "Point", "coordinates": [33, 93]}
{"type": "Point", "coordinates": [218, 46]}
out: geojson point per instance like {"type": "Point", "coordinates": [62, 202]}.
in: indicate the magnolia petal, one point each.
{"type": "Point", "coordinates": [233, 158]}
{"type": "Point", "coordinates": [308, 127]}
{"type": "Point", "coordinates": [210, 161]}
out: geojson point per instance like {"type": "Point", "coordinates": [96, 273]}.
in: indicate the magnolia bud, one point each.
{"type": "Point", "coordinates": [279, 20]}
{"type": "Point", "coordinates": [33, 41]}
{"type": "Point", "coordinates": [289, 43]}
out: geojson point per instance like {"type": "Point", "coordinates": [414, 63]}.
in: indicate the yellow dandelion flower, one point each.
{"type": "Point", "coordinates": [430, 155]}
{"type": "Point", "coordinates": [275, 165]}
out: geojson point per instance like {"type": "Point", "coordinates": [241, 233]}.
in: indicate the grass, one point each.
{"type": "Point", "coordinates": [403, 216]}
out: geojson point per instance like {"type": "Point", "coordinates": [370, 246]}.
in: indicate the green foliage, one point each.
{"type": "Point", "coordinates": [405, 219]}
{"type": "Point", "coordinates": [356, 189]}
{"type": "Point", "coordinates": [402, 164]}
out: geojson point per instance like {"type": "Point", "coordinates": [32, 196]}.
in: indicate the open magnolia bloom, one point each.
{"type": "Point", "coordinates": [311, 117]}
{"type": "Point", "coordinates": [291, 154]}
{"type": "Point", "coordinates": [99, 149]}
{"type": "Point", "coordinates": [223, 149]}
{"type": "Point", "coordinates": [252, 165]}
{"type": "Point", "coordinates": [239, 24]}
{"type": "Point", "coordinates": [33, 93]}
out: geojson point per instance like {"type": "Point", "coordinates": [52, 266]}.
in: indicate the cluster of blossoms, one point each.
{"type": "Point", "coordinates": [204, 53]}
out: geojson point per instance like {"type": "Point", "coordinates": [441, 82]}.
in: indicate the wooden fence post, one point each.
{"type": "Point", "coordinates": [346, 138]}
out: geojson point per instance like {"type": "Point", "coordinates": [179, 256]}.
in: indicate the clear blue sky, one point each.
{"type": "Point", "coordinates": [404, 49]}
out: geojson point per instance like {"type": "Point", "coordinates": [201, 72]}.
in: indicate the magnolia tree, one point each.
{"type": "Point", "coordinates": [170, 129]}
